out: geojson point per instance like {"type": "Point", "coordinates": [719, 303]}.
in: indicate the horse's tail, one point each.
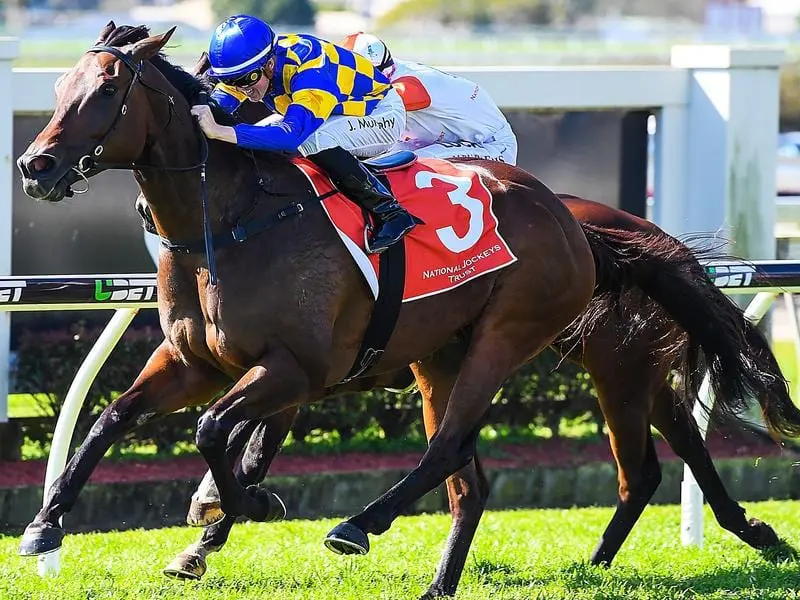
{"type": "Point", "coordinates": [735, 353]}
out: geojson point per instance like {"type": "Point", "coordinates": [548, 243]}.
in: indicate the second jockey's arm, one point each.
{"type": "Point", "coordinates": [412, 92]}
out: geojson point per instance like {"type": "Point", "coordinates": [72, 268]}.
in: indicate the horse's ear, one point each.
{"type": "Point", "coordinates": [105, 33]}
{"type": "Point", "coordinates": [202, 65]}
{"type": "Point", "coordinates": [149, 47]}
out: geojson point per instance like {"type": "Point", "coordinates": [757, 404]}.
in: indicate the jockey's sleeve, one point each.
{"type": "Point", "coordinates": [228, 98]}
{"type": "Point", "coordinates": [313, 98]}
{"type": "Point", "coordinates": [413, 93]}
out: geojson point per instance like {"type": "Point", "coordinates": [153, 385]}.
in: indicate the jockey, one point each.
{"type": "Point", "coordinates": [446, 116]}
{"type": "Point", "coordinates": [332, 105]}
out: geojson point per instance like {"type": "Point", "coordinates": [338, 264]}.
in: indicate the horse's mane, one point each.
{"type": "Point", "coordinates": [187, 84]}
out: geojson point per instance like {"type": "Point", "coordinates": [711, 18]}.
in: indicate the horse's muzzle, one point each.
{"type": "Point", "coordinates": [44, 190]}
{"type": "Point", "coordinates": [44, 177]}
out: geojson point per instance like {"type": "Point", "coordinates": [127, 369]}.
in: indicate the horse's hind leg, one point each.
{"type": "Point", "coordinates": [165, 385]}
{"type": "Point", "coordinates": [639, 472]}
{"type": "Point", "coordinates": [265, 439]}
{"type": "Point", "coordinates": [673, 419]}
{"type": "Point", "coordinates": [500, 343]}
{"type": "Point", "coordinates": [467, 490]}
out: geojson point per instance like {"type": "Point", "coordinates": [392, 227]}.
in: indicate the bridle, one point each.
{"type": "Point", "coordinates": [89, 162]}
{"type": "Point", "coordinates": [88, 165]}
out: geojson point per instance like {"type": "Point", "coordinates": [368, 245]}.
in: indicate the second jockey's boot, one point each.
{"type": "Point", "coordinates": [359, 184]}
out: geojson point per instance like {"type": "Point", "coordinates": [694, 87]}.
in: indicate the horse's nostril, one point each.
{"type": "Point", "coordinates": [40, 164]}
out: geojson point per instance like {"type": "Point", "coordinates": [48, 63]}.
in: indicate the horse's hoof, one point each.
{"type": "Point", "coordinates": [268, 505]}
{"type": "Point", "coordinates": [187, 566]}
{"type": "Point", "coordinates": [762, 535]}
{"type": "Point", "coordinates": [40, 538]}
{"type": "Point", "coordinates": [204, 514]}
{"type": "Point", "coordinates": [346, 538]}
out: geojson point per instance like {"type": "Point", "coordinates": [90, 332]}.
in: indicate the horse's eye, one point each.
{"type": "Point", "coordinates": [108, 89]}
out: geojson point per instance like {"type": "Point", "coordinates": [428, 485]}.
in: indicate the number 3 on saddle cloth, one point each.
{"type": "Point", "coordinates": [458, 242]}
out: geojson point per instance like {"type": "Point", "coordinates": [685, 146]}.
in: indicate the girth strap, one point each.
{"type": "Point", "coordinates": [391, 283]}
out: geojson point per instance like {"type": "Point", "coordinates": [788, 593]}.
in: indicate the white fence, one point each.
{"type": "Point", "coordinates": [717, 122]}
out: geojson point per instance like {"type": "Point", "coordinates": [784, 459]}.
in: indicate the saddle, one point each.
{"type": "Point", "coordinates": [391, 161]}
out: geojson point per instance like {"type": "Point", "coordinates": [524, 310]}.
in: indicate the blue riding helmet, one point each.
{"type": "Point", "coordinates": [240, 45]}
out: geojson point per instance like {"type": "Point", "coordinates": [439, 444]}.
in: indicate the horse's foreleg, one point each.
{"type": "Point", "coordinates": [165, 385]}
{"type": "Point", "coordinates": [204, 508]}
{"type": "Point", "coordinates": [263, 444]}
{"type": "Point", "coordinates": [275, 384]}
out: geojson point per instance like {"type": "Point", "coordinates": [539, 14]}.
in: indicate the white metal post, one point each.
{"type": "Point", "coordinates": [9, 48]}
{"type": "Point", "coordinates": [62, 437]}
{"type": "Point", "coordinates": [691, 495]}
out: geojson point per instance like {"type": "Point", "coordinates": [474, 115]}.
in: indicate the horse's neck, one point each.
{"type": "Point", "coordinates": [175, 198]}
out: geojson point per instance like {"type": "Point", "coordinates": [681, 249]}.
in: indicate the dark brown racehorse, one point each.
{"type": "Point", "coordinates": [285, 320]}
{"type": "Point", "coordinates": [629, 344]}
{"type": "Point", "coordinates": [283, 324]}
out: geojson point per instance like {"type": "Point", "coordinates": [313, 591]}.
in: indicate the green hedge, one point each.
{"type": "Point", "coordinates": [537, 395]}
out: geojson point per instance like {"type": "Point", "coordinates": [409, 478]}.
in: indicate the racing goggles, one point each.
{"type": "Point", "coordinates": [247, 80]}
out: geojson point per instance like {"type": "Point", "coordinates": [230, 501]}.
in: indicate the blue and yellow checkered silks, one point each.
{"type": "Point", "coordinates": [313, 79]}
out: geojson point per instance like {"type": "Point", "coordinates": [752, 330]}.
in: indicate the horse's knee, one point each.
{"type": "Point", "coordinates": [467, 497]}
{"type": "Point", "coordinates": [123, 414]}
{"type": "Point", "coordinates": [211, 433]}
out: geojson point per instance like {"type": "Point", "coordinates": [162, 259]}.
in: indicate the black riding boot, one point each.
{"type": "Point", "coordinates": [359, 184]}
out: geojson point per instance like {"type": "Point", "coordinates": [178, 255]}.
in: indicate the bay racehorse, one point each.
{"type": "Point", "coordinates": [282, 324]}
{"type": "Point", "coordinates": [629, 343]}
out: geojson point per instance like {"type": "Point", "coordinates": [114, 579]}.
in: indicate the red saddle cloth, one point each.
{"type": "Point", "coordinates": [458, 242]}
